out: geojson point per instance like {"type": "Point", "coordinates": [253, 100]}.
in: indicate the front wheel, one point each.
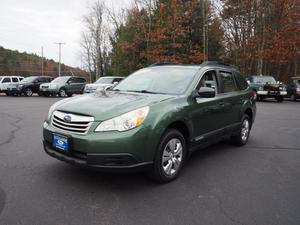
{"type": "Point", "coordinates": [28, 92]}
{"type": "Point", "coordinates": [293, 97]}
{"type": "Point", "coordinates": [63, 93]}
{"type": "Point", "coordinates": [169, 157]}
{"type": "Point", "coordinates": [279, 99]}
{"type": "Point", "coordinates": [243, 136]}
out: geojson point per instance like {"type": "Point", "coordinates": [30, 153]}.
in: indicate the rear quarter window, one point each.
{"type": "Point", "coordinates": [228, 82]}
{"type": "Point", "coordinates": [241, 81]}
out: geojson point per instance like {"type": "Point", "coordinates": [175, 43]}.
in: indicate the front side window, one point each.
{"type": "Point", "coordinates": [228, 82]}
{"type": "Point", "coordinates": [209, 80]}
{"type": "Point", "coordinates": [15, 80]}
{"type": "Point", "coordinates": [163, 80]}
{"type": "Point", "coordinates": [60, 80]}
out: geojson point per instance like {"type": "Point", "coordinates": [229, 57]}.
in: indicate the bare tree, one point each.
{"type": "Point", "coordinates": [95, 40]}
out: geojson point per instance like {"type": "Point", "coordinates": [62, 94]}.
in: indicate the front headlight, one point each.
{"type": "Point", "coordinates": [20, 86]}
{"type": "Point", "coordinates": [124, 122]}
{"type": "Point", "coordinates": [51, 110]}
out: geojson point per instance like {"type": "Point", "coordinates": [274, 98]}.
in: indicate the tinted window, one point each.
{"type": "Point", "coordinates": [77, 80]}
{"type": "Point", "coordinates": [241, 81]}
{"type": "Point", "coordinates": [6, 80]}
{"type": "Point", "coordinates": [15, 80]}
{"type": "Point", "coordinates": [228, 82]}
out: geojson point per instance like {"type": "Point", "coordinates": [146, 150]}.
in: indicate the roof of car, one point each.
{"type": "Point", "coordinates": [111, 77]}
{"type": "Point", "coordinates": [196, 66]}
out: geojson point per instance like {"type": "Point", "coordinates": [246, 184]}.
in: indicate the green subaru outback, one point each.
{"type": "Point", "coordinates": [153, 119]}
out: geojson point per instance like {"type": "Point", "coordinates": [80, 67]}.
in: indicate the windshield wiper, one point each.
{"type": "Point", "coordinates": [144, 91]}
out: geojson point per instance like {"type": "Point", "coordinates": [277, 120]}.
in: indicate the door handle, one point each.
{"type": "Point", "coordinates": [221, 103]}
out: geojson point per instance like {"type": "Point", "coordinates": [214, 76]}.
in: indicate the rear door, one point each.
{"type": "Point", "coordinates": [230, 99]}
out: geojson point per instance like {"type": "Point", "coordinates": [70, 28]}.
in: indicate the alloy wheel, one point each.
{"type": "Point", "coordinates": [172, 157]}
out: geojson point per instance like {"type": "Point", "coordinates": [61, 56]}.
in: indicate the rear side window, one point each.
{"type": "Point", "coordinates": [15, 80]}
{"type": "Point", "coordinates": [228, 82]}
{"type": "Point", "coordinates": [241, 81]}
{"type": "Point", "coordinates": [6, 80]}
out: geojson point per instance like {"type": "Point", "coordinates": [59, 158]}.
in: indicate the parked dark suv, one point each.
{"type": "Point", "coordinates": [153, 119]}
{"type": "Point", "coordinates": [28, 85]}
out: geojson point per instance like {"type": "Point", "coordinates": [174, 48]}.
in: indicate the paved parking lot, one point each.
{"type": "Point", "coordinates": [256, 184]}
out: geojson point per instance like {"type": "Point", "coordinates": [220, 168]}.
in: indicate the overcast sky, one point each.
{"type": "Point", "coordinates": [26, 25]}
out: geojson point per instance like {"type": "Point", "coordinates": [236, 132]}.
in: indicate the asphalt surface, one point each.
{"type": "Point", "coordinates": [255, 184]}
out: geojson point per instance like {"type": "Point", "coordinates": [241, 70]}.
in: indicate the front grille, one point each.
{"type": "Point", "coordinates": [71, 123]}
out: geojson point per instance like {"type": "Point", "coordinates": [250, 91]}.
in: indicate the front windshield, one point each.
{"type": "Point", "coordinates": [104, 80]}
{"type": "Point", "coordinates": [28, 79]}
{"type": "Point", "coordinates": [60, 80]}
{"type": "Point", "coordinates": [163, 80]}
{"type": "Point", "coordinates": [264, 80]}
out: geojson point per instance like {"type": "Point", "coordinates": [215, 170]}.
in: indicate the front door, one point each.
{"type": "Point", "coordinates": [207, 113]}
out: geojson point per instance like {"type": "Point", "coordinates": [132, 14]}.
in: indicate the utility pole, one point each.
{"type": "Point", "coordinates": [42, 61]}
{"type": "Point", "coordinates": [59, 46]}
{"type": "Point", "coordinates": [204, 30]}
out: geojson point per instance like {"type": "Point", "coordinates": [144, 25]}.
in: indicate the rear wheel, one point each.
{"type": "Point", "coordinates": [279, 99]}
{"type": "Point", "coordinates": [293, 97]}
{"type": "Point", "coordinates": [169, 157]}
{"type": "Point", "coordinates": [243, 136]}
{"type": "Point", "coordinates": [28, 92]}
{"type": "Point", "coordinates": [62, 93]}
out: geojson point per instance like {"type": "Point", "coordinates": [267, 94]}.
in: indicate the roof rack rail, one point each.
{"type": "Point", "coordinates": [209, 63]}
{"type": "Point", "coordinates": [164, 63]}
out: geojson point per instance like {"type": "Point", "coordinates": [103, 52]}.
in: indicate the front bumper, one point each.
{"type": "Point", "coordinates": [105, 162]}
{"type": "Point", "coordinates": [105, 151]}
{"type": "Point", "coordinates": [14, 91]}
{"type": "Point", "coordinates": [272, 93]}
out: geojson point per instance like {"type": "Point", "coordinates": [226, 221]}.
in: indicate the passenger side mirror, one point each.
{"type": "Point", "coordinates": [204, 92]}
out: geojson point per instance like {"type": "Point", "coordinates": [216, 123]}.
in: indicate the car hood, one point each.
{"type": "Point", "coordinates": [107, 104]}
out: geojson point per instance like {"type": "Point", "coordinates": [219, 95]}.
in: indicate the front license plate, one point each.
{"type": "Point", "coordinates": [60, 142]}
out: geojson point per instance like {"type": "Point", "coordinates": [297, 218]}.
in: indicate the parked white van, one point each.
{"type": "Point", "coordinates": [5, 81]}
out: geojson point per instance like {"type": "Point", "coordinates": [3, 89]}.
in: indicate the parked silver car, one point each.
{"type": "Point", "coordinates": [102, 83]}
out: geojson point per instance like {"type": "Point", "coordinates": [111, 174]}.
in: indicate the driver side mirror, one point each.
{"type": "Point", "coordinates": [204, 92]}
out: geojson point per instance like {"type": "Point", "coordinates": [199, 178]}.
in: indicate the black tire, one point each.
{"type": "Point", "coordinates": [279, 99]}
{"type": "Point", "coordinates": [7, 93]}
{"type": "Point", "coordinates": [293, 97]}
{"type": "Point", "coordinates": [46, 94]}
{"type": "Point", "coordinates": [158, 172]}
{"type": "Point", "coordinates": [242, 139]}
{"type": "Point", "coordinates": [28, 92]}
{"type": "Point", "coordinates": [62, 93]}
{"type": "Point", "coordinates": [259, 98]}
{"type": "Point", "coordinates": [70, 94]}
